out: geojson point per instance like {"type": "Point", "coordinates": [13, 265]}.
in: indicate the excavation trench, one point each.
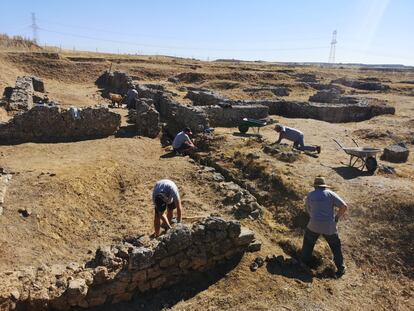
{"type": "Point", "coordinates": [270, 190]}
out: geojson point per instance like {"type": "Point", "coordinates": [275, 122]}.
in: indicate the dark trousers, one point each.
{"type": "Point", "coordinates": [300, 145]}
{"type": "Point", "coordinates": [334, 242]}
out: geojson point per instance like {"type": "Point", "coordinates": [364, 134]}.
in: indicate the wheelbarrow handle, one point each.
{"type": "Point", "coordinates": [337, 143]}
{"type": "Point", "coordinates": [355, 142]}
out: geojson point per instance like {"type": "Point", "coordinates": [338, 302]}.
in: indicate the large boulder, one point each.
{"type": "Point", "coordinates": [396, 153]}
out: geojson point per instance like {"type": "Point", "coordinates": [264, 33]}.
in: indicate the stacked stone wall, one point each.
{"type": "Point", "coordinates": [52, 124]}
{"type": "Point", "coordinates": [118, 272]}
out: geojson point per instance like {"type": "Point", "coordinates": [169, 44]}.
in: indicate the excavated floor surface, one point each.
{"type": "Point", "coordinates": [84, 194]}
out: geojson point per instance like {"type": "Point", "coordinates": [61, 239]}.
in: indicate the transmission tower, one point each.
{"type": "Point", "coordinates": [35, 28]}
{"type": "Point", "coordinates": [333, 48]}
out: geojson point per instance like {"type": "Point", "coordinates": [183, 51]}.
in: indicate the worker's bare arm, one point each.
{"type": "Point", "coordinates": [179, 210]}
{"type": "Point", "coordinates": [165, 220]}
{"type": "Point", "coordinates": [341, 211]}
{"type": "Point", "coordinates": [280, 139]}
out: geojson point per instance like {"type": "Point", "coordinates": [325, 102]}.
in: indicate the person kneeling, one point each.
{"type": "Point", "coordinates": [165, 196]}
{"type": "Point", "coordinates": [182, 143]}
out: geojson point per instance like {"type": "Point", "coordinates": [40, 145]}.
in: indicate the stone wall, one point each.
{"type": "Point", "coordinates": [119, 271]}
{"type": "Point", "coordinates": [354, 111]}
{"type": "Point", "coordinates": [231, 117]}
{"type": "Point", "coordinates": [176, 116]}
{"type": "Point", "coordinates": [276, 90]}
{"type": "Point", "coordinates": [5, 178]}
{"type": "Point", "coordinates": [51, 124]}
{"type": "Point", "coordinates": [362, 85]}
{"type": "Point", "coordinates": [114, 82]}
{"type": "Point", "coordinates": [205, 98]}
{"type": "Point", "coordinates": [21, 96]}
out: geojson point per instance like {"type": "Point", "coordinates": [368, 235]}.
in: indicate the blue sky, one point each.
{"type": "Point", "coordinates": [369, 31]}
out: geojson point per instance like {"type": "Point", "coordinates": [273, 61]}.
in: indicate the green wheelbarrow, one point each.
{"type": "Point", "coordinates": [247, 123]}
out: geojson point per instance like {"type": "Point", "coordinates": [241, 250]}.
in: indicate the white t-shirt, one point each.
{"type": "Point", "coordinates": [168, 188]}
{"type": "Point", "coordinates": [180, 139]}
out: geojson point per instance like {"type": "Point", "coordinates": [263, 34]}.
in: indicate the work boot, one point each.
{"type": "Point", "coordinates": [318, 149]}
{"type": "Point", "coordinates": [340, 272]}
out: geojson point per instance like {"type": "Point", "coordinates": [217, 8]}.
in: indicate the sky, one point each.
{"type": "Point", "coordinates": [368, 31]}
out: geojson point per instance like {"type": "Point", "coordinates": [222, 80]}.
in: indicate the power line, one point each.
{"type": "Point", "coordinates": [106, 31]}
{"type": "Point", "coordinates": [178, 47]}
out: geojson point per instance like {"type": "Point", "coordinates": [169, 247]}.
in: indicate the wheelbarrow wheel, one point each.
{"type": "Point", "coordinates": [371, 164]}
{"type": "Point", "coordinates": [243, 128]}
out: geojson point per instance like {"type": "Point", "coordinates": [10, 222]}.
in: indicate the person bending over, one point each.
{"type": "Point", "coordinates": [165, 197]}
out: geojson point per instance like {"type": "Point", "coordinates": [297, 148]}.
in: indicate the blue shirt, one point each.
{"type": "Point", "coordinates": [320, 204]}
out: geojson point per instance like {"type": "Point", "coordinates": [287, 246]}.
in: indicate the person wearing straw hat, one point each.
{"type": "Point", "coordinates": [165, 196]}
{"type": "Point", "coordinates": [321, 204]}
{"type": "Point", "coordinates": [296, 137]}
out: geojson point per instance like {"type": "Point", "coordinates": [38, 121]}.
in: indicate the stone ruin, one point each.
{"type": "Point", "coordinates": [205, 98]}
{"type": "Point", "coordinates": [223, 112]}
{"type": "Point", "coordinates": [147, 119]}
{"type": "Point", "coordinates": [114, 82]}
{"type": "Point", "coordinates": [353, 110]}
{"type": "Point", "coordinates": [118, 272]}
{"type": "Point", "coordinates": [326, 96]}
{"type": "Point", "coordinates": [21, 96]}
{"type": "Point", "coordinates": [175, 115]}
{"type": "Point", "coordinates": [5, 178]}
{"type": "Point", "coordinates": [361, 84]}
{"type": "Point", "coordinates": [276, 90]}
{"type": "Point", "coordinates": [326, 105]}
{"type": "Point", "coordinates": [53, 124]}
{"type": "Point", "coordinates": [208, 109]}
{"type": "Point", "coordinates": [396, 153]}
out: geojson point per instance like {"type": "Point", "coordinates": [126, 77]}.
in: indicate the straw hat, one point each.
{"type": "Point", "coordinates": [320, 182]}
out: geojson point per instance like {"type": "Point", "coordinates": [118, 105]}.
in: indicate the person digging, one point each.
{"type": "Point", "coordinates": [182, 143]}
{"type": "Point", "coordinates": [296, 137]}
{"type": "Point", "coordinates": [165, 197]}
{"type": "Point", "coordinates": [320, 205]}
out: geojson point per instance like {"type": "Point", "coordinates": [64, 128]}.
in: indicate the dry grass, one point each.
{"type": "Point", "coordinates": [17, 43]}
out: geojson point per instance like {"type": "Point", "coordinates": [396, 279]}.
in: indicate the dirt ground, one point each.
{"type": "Point", "coordinates": [84, 194]}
